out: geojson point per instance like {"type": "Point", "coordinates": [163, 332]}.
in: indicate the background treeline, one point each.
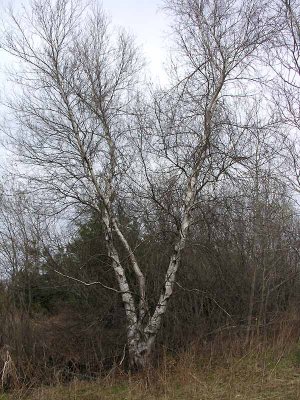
{"type": "Point", "coordinates": [239, 278]}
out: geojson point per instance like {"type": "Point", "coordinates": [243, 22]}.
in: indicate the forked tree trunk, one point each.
{"type": "Point", "coordinates": [142, 329]}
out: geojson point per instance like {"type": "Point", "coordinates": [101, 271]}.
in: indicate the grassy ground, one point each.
{"type": "Point", "coordinates": [258, 374]}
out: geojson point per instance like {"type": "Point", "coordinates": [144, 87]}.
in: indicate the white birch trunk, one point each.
{"type": "Point", "coordinates": [127, 297]}
{"type": "Point", "coordinates": [152, 329]}
{"type": "Point", "coordinates": [138, 273]}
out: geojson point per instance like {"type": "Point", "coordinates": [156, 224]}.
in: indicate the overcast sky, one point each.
{"type": "Point", "coordinates": [147, 22]}
{"type": "Point", "coordinates": [143, 18]}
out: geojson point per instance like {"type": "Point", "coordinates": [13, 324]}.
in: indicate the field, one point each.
{"type": "Point", "coordinates": [259, 374]}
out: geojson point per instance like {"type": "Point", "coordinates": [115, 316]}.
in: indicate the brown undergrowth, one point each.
{"type": "Point", "coordinates": [268, 367]}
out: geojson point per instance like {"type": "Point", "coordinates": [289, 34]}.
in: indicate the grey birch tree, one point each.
{"type": "Point", "coordinates": [91, 146]}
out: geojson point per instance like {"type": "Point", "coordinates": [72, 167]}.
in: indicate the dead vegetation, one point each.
{"type": "Point", "coordinates": [267, 368]}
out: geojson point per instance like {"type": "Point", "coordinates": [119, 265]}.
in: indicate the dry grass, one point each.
{"type": "Point", "coordinates": [260, 373]}
{"type": "Point", "coordinates": [223, 369]}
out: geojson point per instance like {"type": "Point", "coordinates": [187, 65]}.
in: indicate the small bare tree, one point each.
{"type": "Point", "coordinates": [91, 146]}
{"type": "Point", "coordinates": [284, 61]}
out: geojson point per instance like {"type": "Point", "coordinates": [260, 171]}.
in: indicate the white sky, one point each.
{"type": "Point", "coordinates": [143, 18]}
